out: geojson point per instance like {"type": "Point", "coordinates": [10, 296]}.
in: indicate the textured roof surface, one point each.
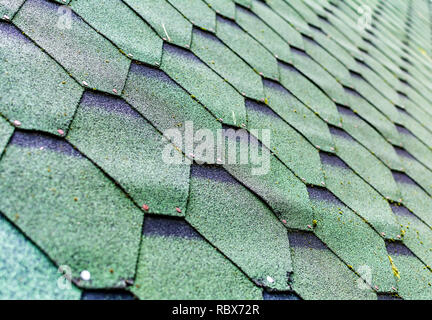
{"type": "Point", "coordinates": [89, 90]}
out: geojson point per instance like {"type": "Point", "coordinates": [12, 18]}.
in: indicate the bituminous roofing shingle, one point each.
{"type": "Point", "coordinates": [223, 7]}
{"type": "Point", "coordinates": [79, 209]}
{"type": "Point", "coordinates": [352, 239]}
{"type": "Point", "coordinates": [37, 92]}
{"type": "Point", "coordinates": [293, 111]}
{"type": "Point", "coordinates": [209, 88]}
{"type": "Point", "coordinates": [91, 59]}
{"type": "Point", "coordinates": [132, 161]}
{"type": "Point", "coordinates": [226, 63]}
{"type": "Point", "coordinates": [286, 143]}
{"type": "Point", "coordinates": [221, 210]}
{"type": "Point", "coordinates": [279, 187]}
{"type": "Point", "coordinates": [176, 265]}
{"type": "Point", "coordinates": [98, 97]}
{"type": "Point", "coordinates": [165, 20]}
{"type": "Point", "coordinates": [121, 25]}
{"type": "Point", "coordinates": [8, 8]}
{"type": "Point", "coordinates": [26, 273]}
{"type": "Point", "coordinates": [247, 48]}
{"type": "Point", "coordinates": [197, 12]}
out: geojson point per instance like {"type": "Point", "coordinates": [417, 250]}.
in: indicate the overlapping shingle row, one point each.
{"type": "Point", "coordinates": [89, 88]}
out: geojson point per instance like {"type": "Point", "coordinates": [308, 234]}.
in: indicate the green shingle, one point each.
{"type": "Point", "coordinates": [8, 8]}
{"type": "Point", "coordinates": [309, 94]}
{"type": "Point", "coordinates": [247, 48]}
{"type": "Point", "coordinates": [241, 226]}
{"type": "Point", "coordinates": [319, 76]}
{"type": "Point", "coordinates": [360, 197]}
{"type": "Point", "coordinates": [352, 239]}
{"type": "Point", "coordinates": [165, 20]}
{"type": "Point", "coordinates": [263, 34]}
{"type": "Point", "coordinates": [370, 138]}
{"type": "Point", "coordinates": [197, 12]}
{"type": "Point", "coordinates": [135, 160]}
{"type": "Point", "coordinates": [223, 7]}
{"type": "Point", "coordinates": [376, 99]}
{"type": "Point", "coordinates": [416, 148]}
{"type": "Point", "coordinates": [328, 62]}
{"type": "Point", "coordinates": [292, 17]}
{"type": "Point", "coordinates": [306, 13]}
{"type": "Point", "coordinates": [227, 64]}
{"type": "Point", "coordinates": [6, 131]}
{"type": "Point", "coordinates": [210, 89]}
{"type": "Point", "coordinates": [320, 275]}
{"type": "Point", "coordinates": [423, 134]}
{"type": "Point", "coordinates": [270, 179]}
{"type": "Point", "coordinates": [122, 26]}
{"type": "Point", "coordinates": [36, 91]}
{"type": "Point", "coordinates": [166, 105]}
{"type": "Point", "coordinates": [417, 171]}
{"type": "Point", "coordinates": [70, 209]}
{"type": "Point", "coordinates": [298, 115]}
{"type": "Point", "coordinates": [188, 269]}
{"type": "Point", "coordinates": [90, 58]}
{"type": "Point", "coordinates": [26, 273]}
{"type": "Point", "coordinates": [377, 82]}
{"type": "Point", "coordinates": [245, 3]}
{"type": "Point", "coordinates": [279, 25]}
{"type": "Point", "coordinates": [416, 200]}
{"type": "Point", "coordinates": [367, 166]}
{"type": "Point", "coordinates": [287, 144]}
{"type": "Point", "coordinates": [379, 121]}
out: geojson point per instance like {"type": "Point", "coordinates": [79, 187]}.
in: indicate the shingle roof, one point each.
{"type": "Point", "coordinates": [93, 93]}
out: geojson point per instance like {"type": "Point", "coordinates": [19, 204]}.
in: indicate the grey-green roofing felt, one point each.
{"type": "Point", "coordinates": [215, 149]}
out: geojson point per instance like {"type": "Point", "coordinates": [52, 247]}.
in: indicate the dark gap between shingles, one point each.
{"type": "Point", "coordinates": [305, 240]}
{"type": "Point", "coordinates": [155, 225]}
{"type": "Point", "coordinates": [38, 140]}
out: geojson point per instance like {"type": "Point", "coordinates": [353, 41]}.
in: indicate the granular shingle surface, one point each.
{"type": "Point", "coordinates": [216, 149]}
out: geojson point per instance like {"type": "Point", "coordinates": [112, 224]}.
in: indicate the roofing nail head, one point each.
{"type": "Point", "coordinates": [270, 279]}
{"type": "Point", "coordinates": [85, 275]}
{"type": "Point", "coordinates": [284, 221]}
{"type": "Point", "coordinates": [115, 91]}
{"type": "Point", "coordinates": [309, 226]}
{"type": "Point", "coordinates": [178, 210]}
{"type": "Point", "coordinates": [17, 123]}
{"type": "Point", "coordinates": [60, 132]}
{"type": "Point", "coordinates": [383, 234]}
{"type": "Point", "coordinates": [6, 17]}
{"type": "Point", "coordinates": [85, 83]}
{"type": "Point", "coordinates": [145, 207]}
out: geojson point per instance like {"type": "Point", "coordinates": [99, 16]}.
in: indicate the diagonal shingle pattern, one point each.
{"type": "Point", "coordinates": [90, 89]}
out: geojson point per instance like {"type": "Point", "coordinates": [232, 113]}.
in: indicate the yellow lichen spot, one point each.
{"type": "Point", "coordinates": [314, 223]}
{"type": "Point", "coordinates": [394, 268]}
